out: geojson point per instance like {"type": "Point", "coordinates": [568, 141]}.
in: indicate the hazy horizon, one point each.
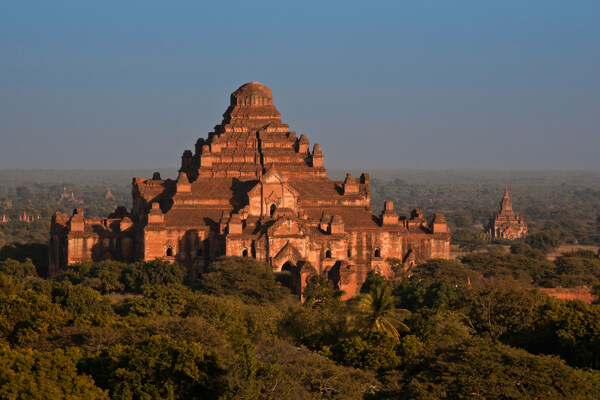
{"type": "Point", "coordinates": [394, 85]}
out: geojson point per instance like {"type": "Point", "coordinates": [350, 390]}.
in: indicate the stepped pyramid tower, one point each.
{"type": "Point", "coordinates": [253, 188]}
{"type": "Point", "coordinates": [506, 224]}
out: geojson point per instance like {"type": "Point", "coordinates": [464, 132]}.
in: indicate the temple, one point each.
{"type": "Point", "coordinates": [253, 188]}
{"type": "Point", "coordinates": [506, 224]}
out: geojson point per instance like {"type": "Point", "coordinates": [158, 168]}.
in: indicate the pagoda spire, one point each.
{"type": "Point", "coordinates": [506, 203]}
{"type": "Point", "coordinates": [109, 195]}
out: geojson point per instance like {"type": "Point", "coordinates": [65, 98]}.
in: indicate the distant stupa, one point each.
{"type": "Point", "coordinates": [65, 196]}
{"type": "Point", "coordinates": [109, 195]}
{"type": "Point", "coordinates": [506, 224]}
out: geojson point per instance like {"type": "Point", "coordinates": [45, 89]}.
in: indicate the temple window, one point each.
{"type": "Point", "coordinates": [377, 253]}
{"type": "Point", "coordinates": [349, 252]}
{"type": "Point", "coordinates": [170, 252]}
{"type": "Point", "coordinates": [272, 210]}
{"type": "Point", "coordinates": [328, 254]}
{"type": "Point", "coordinates": [245, 253]}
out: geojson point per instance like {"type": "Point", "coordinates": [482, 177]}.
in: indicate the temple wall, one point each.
{"type": "Point", "coordinates": [189, 247]}
{"type": "Point", "coordinates": [440, 248]}
{"type": "Point", "coordinates": [286, 210]}
{"type": "Point", "coordinates": [156, 243]}
{"type": "Point", "coordinates": [83, 249]}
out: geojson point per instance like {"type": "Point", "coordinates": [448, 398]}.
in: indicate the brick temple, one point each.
{"type": "Point", "coordinates": [253, 188]}
{"type": "Point", "coordinates": [506, 223]}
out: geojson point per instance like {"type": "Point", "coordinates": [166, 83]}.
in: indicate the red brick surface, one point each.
{"type": "Point", "coordinates": [253, 188]}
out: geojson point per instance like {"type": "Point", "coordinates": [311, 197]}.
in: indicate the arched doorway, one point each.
{"type": "Point", "coordinates": [284, 276]}
{"type": "Point", "coordinates": [287, 267]}
{"type": "Point", "coordinates": [272, 210]}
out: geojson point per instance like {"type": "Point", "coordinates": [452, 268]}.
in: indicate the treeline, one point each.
{"type": "Point", "coordinates": [563, 200]}
{"type": "Point", "coordinates": [39, 202]}
{"type": "Point", "coordinates": [452, 330]}
{"type": "Point", "coordinates": [36, 193]}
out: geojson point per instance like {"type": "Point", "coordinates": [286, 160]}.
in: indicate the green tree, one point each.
{"type": "Point", "coordinates": [468, 239]}
{"type": "Point", "coordinates": [415, 294]}
{"type": "Point", "coordinates": [158, 301]}
{"type": "Point", "coordinates": [373, 351]}
{"type": "Point", "coordinates": [575, 270]}
{"type": "Point", "coordinates": [157, 368]}
{"type": "Point", "coordinates": [524, 249]}
{"type": "Point", "coordinates": [436, 270]}
{"type": "Point", "coordinates": [373, 279]}
{"type": "Point", "coordinates": [376, 311]}
{"type": "Point", "coordinates": [445, 328]}
{"type": "Point", "coordinates": [243, 277]}
{"type": "Point", "coordinates": [319, 289]}
{"type": "Point", "coordinates": [485, 369]}
{"type": "Point", "coordinates": [525, 269]}
{"type": "Point", "coordinates": [462, 221]}
{"type": "Point", "coordinates": [24, 314]}
{"type": "Point", "coordinates": [289, 372]}
{"type": "Point", "coordinates": [546, 240]}
{"type": "Point", "coordinates": [503, 308]}
{"type": "Point", "coordinates": [317, 326]}
{"type": "Point", "coordinates": [106, 276]}
{"type": "Point", "coordinates": [235, 317]}
{"type": "Point", "coordinates": [85, 305]}
{"type": "Point", "coordinates": [157, 272]}
{"type": "Point", "coordinates": [570, 329]}
{"type": "Point", "coordinates": [29, 374]}
{"type": "Point", "coordinates": [36, 252]}
{"type": "Point", "coordinates": [17, 269]}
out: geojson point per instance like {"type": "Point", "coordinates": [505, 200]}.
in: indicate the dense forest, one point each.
{"type": "Point", "coordinates": [475, 327]}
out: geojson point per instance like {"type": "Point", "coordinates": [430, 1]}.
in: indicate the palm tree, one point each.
{"type": "Point", "coordinates": [375, 310]}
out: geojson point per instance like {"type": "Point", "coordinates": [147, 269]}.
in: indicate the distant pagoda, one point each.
{"type": "Point", "coordinates": [506, 224]}
{"type": "Point", "coordinates": [109, 195]}
{"type": "Point", "coordinates": [66, 197]}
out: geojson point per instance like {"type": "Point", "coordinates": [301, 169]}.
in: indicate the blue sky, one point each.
{"type": "Point", "coordinates": [398, 84]}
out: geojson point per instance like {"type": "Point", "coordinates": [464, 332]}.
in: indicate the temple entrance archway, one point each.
{"type": "Point", "coordinates": [287, 267]}
{"type": "Point", "coordinates": [287, 255]}
{"type": "Point", "coordinates": [285, 276]}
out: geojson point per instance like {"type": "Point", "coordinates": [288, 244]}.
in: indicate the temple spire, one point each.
{"type": "Point", "coordinates": [506, 204]}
